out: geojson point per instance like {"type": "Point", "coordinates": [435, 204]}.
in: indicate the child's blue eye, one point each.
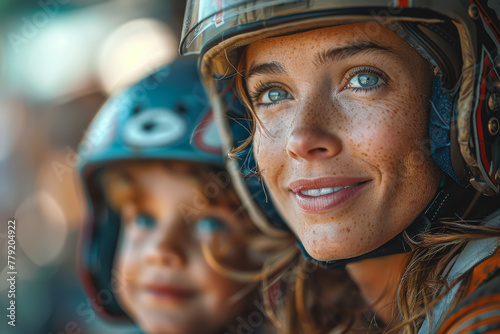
{"type": "Point", "coordinates": [145, 221]}
{"type": "Point", "coordinates": [210, 225]}
{"type": "Point", "coordinates": [364, 80]}
{"type": "Point", "coordinates": [275, 95]}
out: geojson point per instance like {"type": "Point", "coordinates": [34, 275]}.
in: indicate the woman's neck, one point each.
{"type": "Point", "coordinates": [378, 280]}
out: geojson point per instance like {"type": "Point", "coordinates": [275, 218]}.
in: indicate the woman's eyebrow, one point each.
{"type": "Point", "coordinates": [272, 67]}
{"type": "Point", "coordinates": [343, 52]}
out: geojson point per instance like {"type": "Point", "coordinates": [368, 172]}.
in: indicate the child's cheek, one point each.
{"type": "Point", "coordinates": [124, 278]}
{"type": "Point", "coordinates": [129, 261]}
{"type": "Point", "coordinates": [231, 252]}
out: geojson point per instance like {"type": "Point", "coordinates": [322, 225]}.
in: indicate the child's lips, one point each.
{"type": "Point", "coordinates": [172, 292]}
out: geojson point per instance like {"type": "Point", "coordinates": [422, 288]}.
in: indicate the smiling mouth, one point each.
{"type": "Point", "coordinates": [325, 191]}
{"type": "Point", "coordinates": [326, 194]}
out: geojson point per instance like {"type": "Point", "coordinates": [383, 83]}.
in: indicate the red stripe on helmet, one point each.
{"type": "Point", "coordinates": [493, 27]}
{"type": "Point", "coordinates": [404, 3]}
{"type": "Point", "coordinates": [198, 136]}
{"type": "Point", "coordinates": [484, 158]}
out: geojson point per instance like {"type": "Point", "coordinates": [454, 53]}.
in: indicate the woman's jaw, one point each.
{"type": "Point", "coordinates": [345, 154]}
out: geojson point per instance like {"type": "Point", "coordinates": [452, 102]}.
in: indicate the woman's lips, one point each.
{"type": "Point", "coordinates": [319, 195]}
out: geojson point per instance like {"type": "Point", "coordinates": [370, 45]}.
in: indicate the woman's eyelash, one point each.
{"type": "Point", "coordinates": [261, 88]}
{"type": "Point", "coordinates": [367, 70]}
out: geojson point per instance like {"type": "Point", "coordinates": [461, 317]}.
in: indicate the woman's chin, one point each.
{"type": "Point", "coordinates": [334, 248]}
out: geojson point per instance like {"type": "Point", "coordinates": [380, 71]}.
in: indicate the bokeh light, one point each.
{"type": "Point", "coordinates": [134, 50]}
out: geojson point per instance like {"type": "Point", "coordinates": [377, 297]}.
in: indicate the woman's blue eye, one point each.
{"type": "Point", "coordinates": [145, 221]}
{"type": "Point", "coordinates": [210, 225]}
{"type": "Point", "coordinates": [364, 80]}
{"type": "Point", "coordinates": [275, 95]}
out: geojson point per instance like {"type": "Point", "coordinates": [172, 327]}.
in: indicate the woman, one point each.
{"type": "Point", "coordinates": [373, 127]}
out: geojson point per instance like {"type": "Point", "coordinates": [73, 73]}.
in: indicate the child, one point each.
{"type": "Point", "coordinates": [160, 207]}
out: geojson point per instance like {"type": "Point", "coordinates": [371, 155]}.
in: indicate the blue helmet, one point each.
{"type": "Point", "coordinates": [164, 116]}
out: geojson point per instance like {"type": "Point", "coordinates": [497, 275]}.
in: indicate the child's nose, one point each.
{"type": "Point", "coordinates": [169, 245]}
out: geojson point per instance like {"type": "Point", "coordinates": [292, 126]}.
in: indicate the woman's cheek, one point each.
{"type": "Point", "coordinates": [268, 142]}
{"type": "Point", "coordinates": [370, 132]}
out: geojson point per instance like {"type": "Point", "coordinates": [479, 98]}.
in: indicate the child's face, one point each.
{"type": "Point", "coordinates": [170, 288]}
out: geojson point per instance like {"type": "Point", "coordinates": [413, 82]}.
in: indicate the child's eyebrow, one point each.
{"type": "Point", "coordinates": [119, 188]}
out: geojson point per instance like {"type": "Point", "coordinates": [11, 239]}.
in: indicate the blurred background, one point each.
{"type": "Point", "coordinates": [60, 60]}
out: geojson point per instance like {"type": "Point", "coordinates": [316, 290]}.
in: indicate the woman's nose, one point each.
{"type": "Point", "coordinates": [312, 142]}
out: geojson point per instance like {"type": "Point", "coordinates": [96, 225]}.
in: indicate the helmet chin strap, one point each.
{"type": "Point", "coordinates": [450, 200]}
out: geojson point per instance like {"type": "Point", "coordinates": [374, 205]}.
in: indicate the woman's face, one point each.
{"type": "Point", "coordinates": [343, 142]}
